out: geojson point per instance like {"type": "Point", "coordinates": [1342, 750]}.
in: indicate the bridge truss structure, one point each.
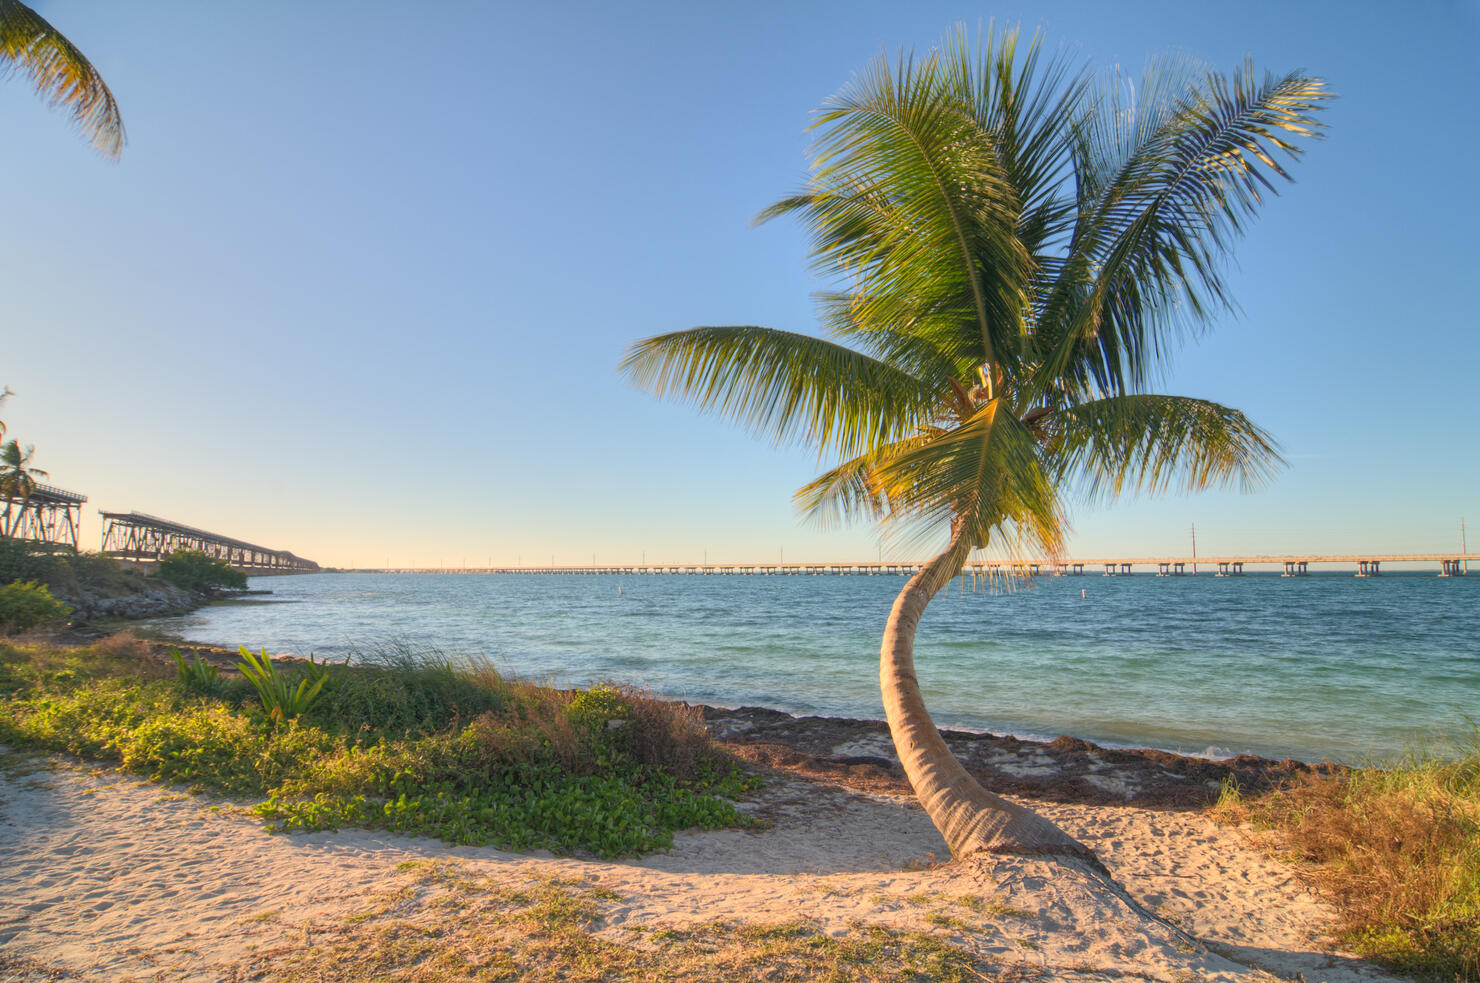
{"type": "Point", "coordinates": [48, 518]}
{"type": "Point", "coordinates": [142, 537]}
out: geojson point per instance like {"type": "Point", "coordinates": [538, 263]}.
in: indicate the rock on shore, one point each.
{"type": "Point", "coordinates": [156, 600]}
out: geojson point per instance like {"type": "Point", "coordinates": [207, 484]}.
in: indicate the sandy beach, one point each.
{"type": "Point", "coordinates": [105, 877]}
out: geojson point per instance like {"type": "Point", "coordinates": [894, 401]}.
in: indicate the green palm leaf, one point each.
{"type": "Point", "coordinates": [61, 74]}
{"type": "Point", "coordinates": [1154, 443]}
{"type": "Point", "coordinates": [850, 491]}
{"type": "Point", "coordinates": [782, 385]}
{"type": "Point", "coordinates": [987, 474]}
{"type": "Point", "coordinates": [17, 475]}
{"type": "Point", "coordinates": [911, 193]}
{"type": "Point", "coordinates": [1165, 187]}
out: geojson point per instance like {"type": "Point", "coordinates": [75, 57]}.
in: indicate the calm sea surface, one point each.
{"type": "Point", "coordinates": [1327, 666]}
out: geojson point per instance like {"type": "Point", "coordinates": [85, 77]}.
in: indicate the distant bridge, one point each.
{"type": "Point", "coordinates": [1294, 565]}
{"type": "Point", "coordinates": [48, 518]}
{"type": "Point", "coordinates": [139, 536]}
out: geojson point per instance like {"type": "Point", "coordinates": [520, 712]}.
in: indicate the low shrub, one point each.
{"type": "Point", "coordinates": [72, 574]}
{"type": "Point", "coordinates": [530, 767]}
{"type": "Point", "coordinates": [1396, 849]}
{"type": "Point", "coordinates": [18, 561]}
{"type": "Point", "coordinates": [635, 725]}
{"type": "Point", "coordinates": [26, 604]}
{"type": "Point", "coordinates": [192, 570]}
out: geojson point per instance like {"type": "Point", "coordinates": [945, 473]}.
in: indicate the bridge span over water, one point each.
{"type": "Point", "coordinates": [147, 538]}
{"type": "Point", "coordinates": [1293, 565]}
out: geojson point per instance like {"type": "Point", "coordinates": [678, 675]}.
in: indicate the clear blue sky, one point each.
{"type": "Point", "coordinates": [360, 283]}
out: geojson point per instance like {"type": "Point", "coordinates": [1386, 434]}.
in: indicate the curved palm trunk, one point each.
{"type": "Point", "coordinates": [971, 819]}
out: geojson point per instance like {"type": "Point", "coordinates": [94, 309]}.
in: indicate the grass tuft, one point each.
{"type": "Point", "coordinates": [1397, 851]}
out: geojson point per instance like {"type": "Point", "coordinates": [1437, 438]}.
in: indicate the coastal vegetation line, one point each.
{"type": "Point", "coordinates": [414, 742]}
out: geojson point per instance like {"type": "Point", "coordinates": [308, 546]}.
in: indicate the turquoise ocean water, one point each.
{"type": "Point", "coordinates": [1326, 666]}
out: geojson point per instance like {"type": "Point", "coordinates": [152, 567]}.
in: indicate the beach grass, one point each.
{"type": "Point", "coordinates": [415, 743]}
{"type": "Point", "coordinates": [1397, 851]}
{"type": "Point", "coordinates": [442, 923]}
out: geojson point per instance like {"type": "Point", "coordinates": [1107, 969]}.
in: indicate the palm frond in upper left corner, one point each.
{"type": "Point", "coordinates": [61, 73]}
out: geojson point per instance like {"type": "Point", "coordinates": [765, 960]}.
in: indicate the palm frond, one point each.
{"type": "Point", "coordinates": [908, 192]}
{"type": "Point", "coordinates": [1154, 443]}
{"type": "Point", "coordinates": [987, 473]}
{"type": "Point", "coordinates": [907, 333]}
{"type": "Point", "coordinates": [845, 493]}
{"type": "Point", "coordinates": [1029, 103]}
{"type": "Point", "coordinates": [17, 476]}
{"type": "Point", "coordinates": [784, 386]}
{"type": "Point", "coordinates": [61, 74]}
{"type": "Point", "coordinates": [1167, 179]}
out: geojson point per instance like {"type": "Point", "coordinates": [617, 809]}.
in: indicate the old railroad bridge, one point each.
{"type": "Point", "coordinates": [48, 519]}
{"type": "Point", "coordinates": [139, 536]}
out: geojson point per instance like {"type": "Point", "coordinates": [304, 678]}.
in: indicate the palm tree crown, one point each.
{"type": "Point", "coordinates": [17, 476]}
{"type": "Point", "coordinates": [18, 484]}
{"type": "Point", "coordinates": [1018, 249]}
{"type": "Point", "coordinates": [1021, 247]}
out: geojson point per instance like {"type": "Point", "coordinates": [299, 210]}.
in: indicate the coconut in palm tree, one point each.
{"type": "Point", "coordinates": [1017, 247]}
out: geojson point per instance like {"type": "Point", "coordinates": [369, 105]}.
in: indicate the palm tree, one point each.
{"type": "Point", "coordinates": [61, 74]}
{"type": "Point", "coordinates": [1019, 247]}
{"type": "Point", "coordinates": [17, 482]}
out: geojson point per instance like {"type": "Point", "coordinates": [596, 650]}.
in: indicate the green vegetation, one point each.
{"type": "Point", "coordinates": [198, 675]}
{"type": "Point", "coordinates": [280, 698]}
{"type": "Point", "coordinates": [26, 604]}
{"type": "Point", "coordinates": [451, 925]}
{"type": "Point", "coordinates": [1018, 247]}
{"type": "Point", "coordinates": [417, 745]}
{"type": "Point", "coordinates": [192, 570]}
{"type": "Point", "coordinates": [61, 74]}
{"type": "Point", "coordinates": [17, 474]}
{"type": "Point", "coordinates": [76, 574]}
{"type": "Point", "coordinates": [1397, 850]}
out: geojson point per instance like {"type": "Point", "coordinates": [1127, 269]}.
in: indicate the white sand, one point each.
{"type": "Point", "coordinates": [109, 878]}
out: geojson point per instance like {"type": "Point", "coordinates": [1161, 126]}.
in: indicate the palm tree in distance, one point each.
{"type": "Point", "coordinates": [1018, 248]}
{"type": "Point", "coordinates": [61, 74]}
{"type": "Point", "coordinates": [17, 481]}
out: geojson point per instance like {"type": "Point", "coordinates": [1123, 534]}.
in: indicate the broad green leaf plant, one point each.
{"type": "Point", "coordinates": [280, 698]}
{"type": "Point", "coordinates": [1016, 247]}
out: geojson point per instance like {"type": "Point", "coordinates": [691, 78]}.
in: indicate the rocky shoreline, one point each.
{"type": "Point", "coordinates": [860, 754]}
{"type": "Point", "coordinates": [154, 599]}
{"type": "Point", "coordinates": [157, 600]}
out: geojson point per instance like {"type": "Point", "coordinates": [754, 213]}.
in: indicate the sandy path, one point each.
{"type": "Point", "coordinates": [106, 878]}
